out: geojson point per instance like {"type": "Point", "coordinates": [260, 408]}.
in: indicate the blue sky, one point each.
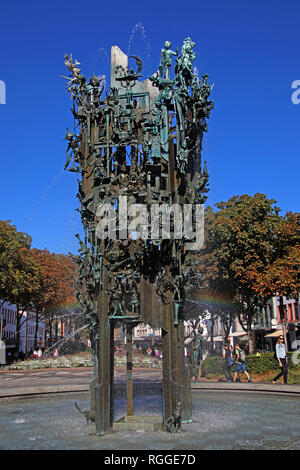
{"type": "Point", "coordinates": [248, 48]}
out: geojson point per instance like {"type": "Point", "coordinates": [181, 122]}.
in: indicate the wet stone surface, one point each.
{"type": "Point", "coordinates": [220, 421]}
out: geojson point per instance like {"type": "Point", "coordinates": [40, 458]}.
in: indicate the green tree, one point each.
{"type": "Point", "coordinates": [239, 240]}
{"type": "Point", "coordinates": [11, 242]}
{"type": "Point", "coordinates": [282, 275]}
{"type": "Point", "coordinates": [19, 271]}
{"type": "Point", "coordinates": [56, 291]}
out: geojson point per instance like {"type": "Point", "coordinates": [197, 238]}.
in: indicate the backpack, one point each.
{"type": "Point", "coordinates": [242, 355]}
{"type": "Point", "coordinates": [230, 362]}
{"type": "Point", "coordinates": [228, 358]}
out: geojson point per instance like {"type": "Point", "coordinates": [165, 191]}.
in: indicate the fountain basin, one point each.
{"type": "Point", "coordinates": [221, 421]}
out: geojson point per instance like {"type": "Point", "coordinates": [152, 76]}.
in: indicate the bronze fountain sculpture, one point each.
{"type": "Point", "coordinates": [137, 154]}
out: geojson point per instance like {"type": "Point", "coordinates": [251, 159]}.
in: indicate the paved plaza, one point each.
{"type": "Point", "coordinates": [50, 381]}
{"type": "Point", "coordinates": [15, 383]}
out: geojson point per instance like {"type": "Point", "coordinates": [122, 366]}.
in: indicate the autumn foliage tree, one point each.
{"type": "Point", "coordinates": [56, 291]}
{"type": "Point", "coordinates": [282, 274]}
{"type": "Point", "coordinates": [32, 278]}
{"type": "Point", "coordinates": [247, 245]}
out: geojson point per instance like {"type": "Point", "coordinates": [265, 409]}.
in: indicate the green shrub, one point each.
{"type": "Point", "coordinates": [255, 364]}
{"type": "Point", "coordinates": [212, 365]}
{"type": "Point", "coordinates": [266, 361]}
{"type": "Point", "coordinates": [261, 364]}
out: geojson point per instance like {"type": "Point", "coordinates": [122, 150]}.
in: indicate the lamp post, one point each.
{"type": "Point", "coordinates": [25, 335]}
{"type": "Point", "coordinates": [282, 318]}
{"type": "Point", "coordinates": [1, 325]}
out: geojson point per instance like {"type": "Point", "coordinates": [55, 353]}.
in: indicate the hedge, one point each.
{"type": "Point", "coordinates": [80, 361]}
{"type": "Point", "coordinates": [255, 364]}
{"type": "Point", "coordinates": [212, 365]}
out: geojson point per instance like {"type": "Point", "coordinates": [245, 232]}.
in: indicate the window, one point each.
{"type": "Point", "coordinates": [295, 310]}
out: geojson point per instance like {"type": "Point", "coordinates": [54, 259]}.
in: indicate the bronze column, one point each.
{"type": "Point", "coordinates": [104, 385]}
{"type": "Point", "coordinates": [129, 369]}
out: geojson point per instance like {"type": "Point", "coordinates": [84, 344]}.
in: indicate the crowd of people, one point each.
{"type": "Point", "coordinates": [240, 361]}
{"type": "Point", "coordinates": [154, 352]}
{"type": "Point", "coordinates": [234, 358]}
{"type": "Point", "coordinates": [150, 351]}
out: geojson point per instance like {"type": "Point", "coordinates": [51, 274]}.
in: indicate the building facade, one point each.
{"type": "Point", "coordinates": [8, 328]}
{"type": "Point", "coordinates": [268, 322]}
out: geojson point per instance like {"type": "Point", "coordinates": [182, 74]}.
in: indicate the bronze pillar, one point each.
{"type": "Point", "coordinates": [129, 370]}
{"type": "Point", "coordinates": [104, 385]}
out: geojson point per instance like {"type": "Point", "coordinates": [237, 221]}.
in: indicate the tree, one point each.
{"type": "Point", "coordinates": [56, 291]}
{"type": "Point", "coordinates": [239, 240]}
{"type": "Point", "coordinates": [27, 282]}
{"type": "Point", "coordinates": [19, 272]}
{"type": "Point", "coordinates": [11, 242]}
{"type": "Point", "coordinates": [32, 278]}
{"type": "Point", "coordinates": [282, 275]}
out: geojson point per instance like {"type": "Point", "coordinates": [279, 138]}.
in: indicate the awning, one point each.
{"type": "Point", "coordinates": [215, 338]}
{"type": "Point", "coordinates": [275, 334]}
{"type": "Point", "coordinates": [238, 333]}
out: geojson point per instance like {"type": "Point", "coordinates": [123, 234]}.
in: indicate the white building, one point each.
{"type": "Point", "coordinates": [8, 323]}
{"type": "Point", "coordinates": [144, 334]}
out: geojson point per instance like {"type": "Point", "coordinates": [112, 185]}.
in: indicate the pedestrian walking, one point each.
{"type": "Point", "coordinates": [228, 362]}
{"type": "Point", "coordinates": [198, 344]}
{"type": "Point", "coordinates": [280, 352]}
{"type": "Point", "coordinates": [240, 363]}
{"type": "Point", "coordinates": [39, 353]}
